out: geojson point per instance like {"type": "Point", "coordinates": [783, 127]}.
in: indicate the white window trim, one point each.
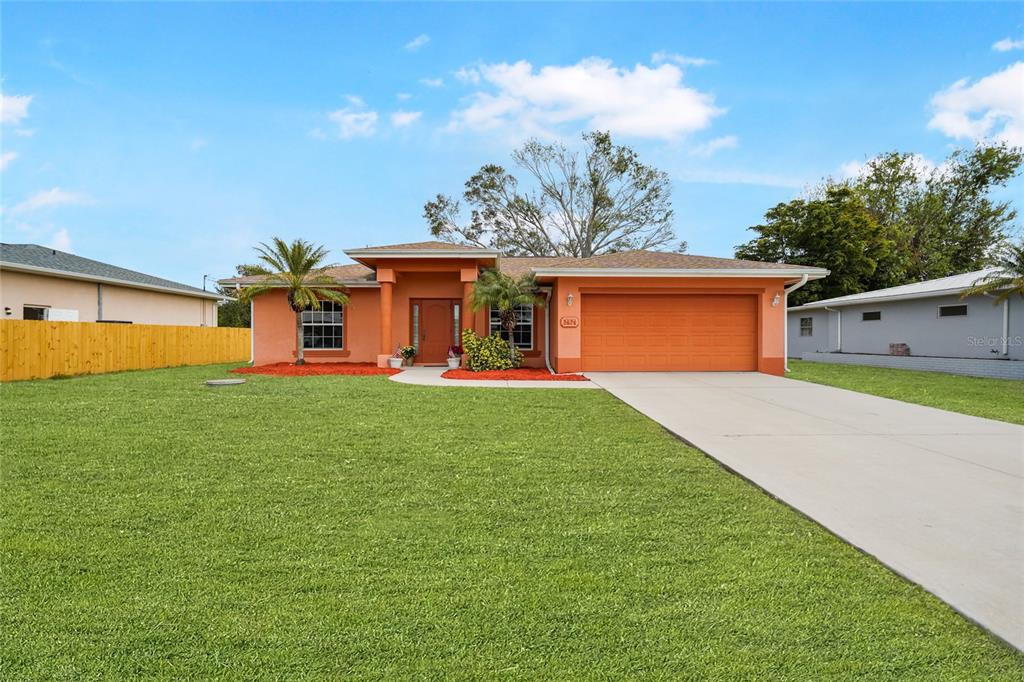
{"type": "Point", "coordinates": [491, 328]}
{"type": "Point", "coordinates": [341, 309]}
{"type": "Point", "coordinates": [809, 328]}
{"type": "Point", "coordinates": [938, 310]}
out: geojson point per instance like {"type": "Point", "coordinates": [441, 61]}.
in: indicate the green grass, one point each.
{"type": "Point", "coordinates": [329, 527]}
{"type": "Point", "coordinates": [1001, 399]}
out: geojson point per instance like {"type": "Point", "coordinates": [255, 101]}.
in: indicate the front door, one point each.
{"type": "Point", "coordinates": [434, 324]}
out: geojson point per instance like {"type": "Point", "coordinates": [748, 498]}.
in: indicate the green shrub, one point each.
{"type": "Point", "coordinates": [488, 352]}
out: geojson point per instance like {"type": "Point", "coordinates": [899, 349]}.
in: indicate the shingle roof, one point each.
{"type": "Point", "coordinates": [33, 256]}
{"type": "Point", "coordinates": [344, 274]}
{"type": "Point", "coordinates": [943, 286]}
{"type": "Point", "coordinates": [669, 261]}
{"type": "Point", "coordinates": [426, 246]}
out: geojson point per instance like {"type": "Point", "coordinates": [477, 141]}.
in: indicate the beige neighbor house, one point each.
{"type": "Point", "coordinates": [40, 283]}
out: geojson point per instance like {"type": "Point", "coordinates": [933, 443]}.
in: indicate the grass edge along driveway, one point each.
{"type": "Point", "coordinates": [1000, 399]}
{"type": "Point", "coordinates": [330, 526]}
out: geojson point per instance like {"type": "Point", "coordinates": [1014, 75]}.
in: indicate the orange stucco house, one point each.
{"type": "Point", "coordinates": [629, 311]}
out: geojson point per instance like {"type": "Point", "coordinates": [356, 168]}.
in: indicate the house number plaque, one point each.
{"type": "Point", "coordinates": [569, 322]}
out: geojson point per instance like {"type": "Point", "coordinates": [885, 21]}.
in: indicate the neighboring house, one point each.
{"type": "Point", "coordinates": [929, 317]}
{"type": "Point", "coordinates": [636, 310]}
{"type": "Point", "coordinates": [40, 283]}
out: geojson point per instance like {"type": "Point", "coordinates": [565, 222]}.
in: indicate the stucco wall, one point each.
{"type": "Point", "coordinates": [917, 323]}
{"type": "Point", "coordinates": [18, 289]}
{"type": "Point", "coordinates": [771, 325]}
{"type": "Point", "coordinates": [820, 339]}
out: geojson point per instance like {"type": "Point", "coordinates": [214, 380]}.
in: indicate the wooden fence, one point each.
{"type": "Point", "coordinates": [35, 349]}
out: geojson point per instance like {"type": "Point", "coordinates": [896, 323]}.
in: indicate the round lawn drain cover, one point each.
{"type": "Point", "coordinates": [225, 382]}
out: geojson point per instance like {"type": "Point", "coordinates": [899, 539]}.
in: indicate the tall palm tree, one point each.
{"type": "Point", "coordinates": [1007, 280]}
{"type": "Point", "coordinates": [495, 289]}
{"type": "Point", "coordinates": [296, 267]}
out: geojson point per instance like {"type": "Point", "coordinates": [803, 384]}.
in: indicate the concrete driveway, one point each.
{"type": "Point", "coordinates": [936, 496]}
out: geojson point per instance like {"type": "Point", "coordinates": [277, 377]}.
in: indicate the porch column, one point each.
{"type": "Point", "coordinates": [385, 319]}
{"type": "Point", "coordinates": [468, 276]}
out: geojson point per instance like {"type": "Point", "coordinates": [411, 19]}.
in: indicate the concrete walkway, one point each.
{"type": "Point", "coordinates": [431, 376]}
{"type": "Point", "coordinates": [937, 496]}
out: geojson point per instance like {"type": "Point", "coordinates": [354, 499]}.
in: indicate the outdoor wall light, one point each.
{"type": "Point", "coordinates": [776, 299]}
{"type": "Point", "coordinates": [568, 299]}
{"type": "Point", "coordinates": [7, 311]}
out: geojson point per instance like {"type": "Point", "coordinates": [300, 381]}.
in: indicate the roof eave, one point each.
{"type": "Point", "coordinates": [359, 284]}
{"type": "Point", "coordinates": [356, 254]}
{"type": "Point", "coordinates": [812, 273]}
{"type": "Point", "coordinates": [828, 303]}
{"type": "Point", "coordinates": [99, 279]}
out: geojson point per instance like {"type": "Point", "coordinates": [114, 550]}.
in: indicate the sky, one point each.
{"type": "Point", "coordinates": [172, 138]}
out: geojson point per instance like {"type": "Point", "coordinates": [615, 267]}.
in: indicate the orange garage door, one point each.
{"type": "Point", "coordinates": [669, 332]}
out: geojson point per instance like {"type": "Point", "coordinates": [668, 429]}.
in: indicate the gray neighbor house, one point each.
{"type": "Point", "coordinates": [923, 326]}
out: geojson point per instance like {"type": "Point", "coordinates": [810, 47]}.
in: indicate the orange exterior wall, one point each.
{"type": "Point", "coordinates": [566, 341]}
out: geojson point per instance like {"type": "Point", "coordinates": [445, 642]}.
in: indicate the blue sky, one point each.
{"type": "Point", "coordinates": [172, 138]}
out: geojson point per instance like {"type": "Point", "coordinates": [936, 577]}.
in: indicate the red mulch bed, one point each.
{"type": "Point", "coordinates": [312, 369]}
{"type": "Point", "coordinates": [521, 374]}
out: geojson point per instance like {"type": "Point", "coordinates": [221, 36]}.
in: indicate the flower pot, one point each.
{"type": "Point", "coordinates": [453, 363]}
{"type": "Point", "coordinates": [395, 363]}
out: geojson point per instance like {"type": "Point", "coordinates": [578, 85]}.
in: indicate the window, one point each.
{"type": "Point", "coordinates": [952, 310]}
{"type": "Point", "coordinates": [523, 333]}
{"type": "Point", "coordinates": [33, 312]}
{"type": "Point", "coordinates": [806, 326]}
{"type": "Point", "coordinates": [871, 316]}
{"type": "Point", "coordinates": [323, 329]}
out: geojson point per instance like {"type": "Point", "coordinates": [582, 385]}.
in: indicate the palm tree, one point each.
{"type": "Point", "coordinates": [296, 267]}
{"type": "Point", "coordinates": [1007, 280]}
{"type": "Point", "coordinates": [495, 289]}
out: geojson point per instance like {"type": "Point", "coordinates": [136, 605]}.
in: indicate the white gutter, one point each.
{"type": "Point", "coordinates": [813, 273]}
{"type": "Point", "coordinates": [785, 316]}
{"type": "Point", "coordinates": [83, 277]}
{"type": "Point", "coordinates": [839, 327]}
{"type": "Point", "coordinates": [252, 334]}
{"type": "Point", "coordinates": [818, 305]}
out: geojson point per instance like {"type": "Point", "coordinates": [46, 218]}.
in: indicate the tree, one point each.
{"type": "Point", "coordinates": [495, 289]}
{"type": "Point", "coordinates": [607, 201]}
{"type": "Point", "coordinates": [1007, 280]}
{"type": "Point", "coordinates": [236, 312]}
{"type": "Point", "coordinates": [295, 267]}
{"type": "Point", "coordinates": [835, 232]}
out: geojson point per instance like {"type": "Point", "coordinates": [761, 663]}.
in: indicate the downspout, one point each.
{"type": "Point", "coordinates": [1005, 345]}
{"type": "Point", "coordinates": [252, 334]}
{"type": "Point", "coordinates": [839, 328]}
{"type": "Point", "coordinates": [785, 316]}
{"type": "Point", "coordinates": [547, 330]}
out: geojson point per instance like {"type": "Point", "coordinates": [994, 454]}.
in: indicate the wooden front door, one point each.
{"type": "Point", "coordinates": [434, 323]}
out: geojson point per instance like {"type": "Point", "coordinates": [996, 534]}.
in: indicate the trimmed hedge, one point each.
{"type": "Point", "coordinates": [488, 352]}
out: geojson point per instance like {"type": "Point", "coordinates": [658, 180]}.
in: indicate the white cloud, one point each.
{"type": "Point", "coordinates": [356, 101]}
{"type": "Point", "coordinates": [400, 119]}
{"type": "Point", "coordinates": [711, 146]}
{"type": "Point", "coordinates": [352, 123]}
{"type": "Point", "coordinates": [739, 177]}
{"type": "Point", "coordinates": [197, 143]}
{"type": "Point", "coordinates": [990, 108]}
{"type": "Point", "coordinates": [417, 42]}
{"type": "Point", "coordinates": [61, 241]}
{"type": "Point", "coordinates": [432, 82]}
{"type": "Point", "coordinates": [403, 96]}
{"type": "Point", "coordinates": [641, 102]}
{"type": "Point", "coordinates": [924, 167]}
{"type": "Point", "coordinates": [661, 57]}
{"type": "Point", "coordinates": [24, 132]}
{"type": "Point", "coordinates": [6, 158]}
{"type": "Point", "coordinates": [51, 198]}
{"type": "Point", "coordinates": [468, 75]}
{"type": "Point", "coordinates": [1007, 44]}
{"type": "Point", "coordinates": [14, 108]}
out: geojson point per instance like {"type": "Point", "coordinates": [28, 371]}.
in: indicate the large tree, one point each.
{"type": "Point", "coordinates": [235, 312]}
{"type": "Point", "coordinates": [605, 201]}
{"type": "Point", "coordinates": [835, 231]}
{"type": "Point", "coordinates": [928, 222]}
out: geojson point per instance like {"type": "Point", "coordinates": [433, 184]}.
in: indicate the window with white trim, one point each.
{"type": "Point", "coordinates": [323, 329]}
{"type": "Point", "coordinates": [953, 310]}
{"type": "Point", "coordinates": [522, 335]}
{"type": "Point", "coordinates": [806, 326]}
{"type": "Point", "coordinates": [34, 312]}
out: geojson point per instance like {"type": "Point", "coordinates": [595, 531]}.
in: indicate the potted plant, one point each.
{"type": "Point", "coordinates": [395, 361]}
{"type": "Point", "coordinates": [407, 353]}
{"type": "Point", "coordinates": [454, 356]}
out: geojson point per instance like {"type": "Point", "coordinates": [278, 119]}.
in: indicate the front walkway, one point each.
{"type": "Point", "coordinates": [936, 496]}
{"type": "Point", "coordinates": [431, 376]}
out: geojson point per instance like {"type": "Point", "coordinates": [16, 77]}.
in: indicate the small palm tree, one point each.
{"type": "Point", "coordinates": [495, 289]}
{"type": "Point", "coordinates": [1007, 280]}
{"type": "Point", "coordinates": [296, 267]}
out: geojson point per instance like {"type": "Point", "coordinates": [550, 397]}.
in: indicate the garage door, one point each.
{"type": "Point", "coordinates": [662, 332]}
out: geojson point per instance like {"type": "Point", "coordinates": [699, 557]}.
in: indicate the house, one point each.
{"type": "Point", "coordinates": [921, 320]}
{"type": "Point", "coordinates": [40, 283]}
{"type": "Point", "coordinates": [635, 310]}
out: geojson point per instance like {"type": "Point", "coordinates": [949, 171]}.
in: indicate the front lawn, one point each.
{"type": "Point", "coordinates": [333, 526]}
{"type": "Point", "coordinates": [1001, 399]}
